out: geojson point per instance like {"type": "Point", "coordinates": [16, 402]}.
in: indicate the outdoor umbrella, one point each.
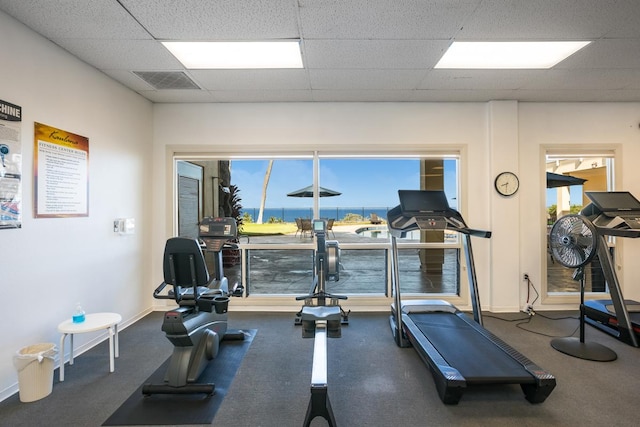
{"type": "Point", "coordinates": [308, 192]}
{"type": "Point", "coordinates": [556, 180]}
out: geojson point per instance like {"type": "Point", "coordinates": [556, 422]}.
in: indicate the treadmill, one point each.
{"type": "Point", "coordinates": [613, 213]}
{"type": "Point", "coordinates": [459, 351]}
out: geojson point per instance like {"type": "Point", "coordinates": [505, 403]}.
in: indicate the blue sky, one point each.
{"type": "Point", "coordinates": [575, 191]}
{"type": "Point", "coordinates": [362, 182]}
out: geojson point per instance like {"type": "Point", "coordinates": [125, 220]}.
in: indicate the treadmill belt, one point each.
{"type": "Point", "coordinates": [475, 356]}
{"type": "Point", "coordinates": [631, 308]}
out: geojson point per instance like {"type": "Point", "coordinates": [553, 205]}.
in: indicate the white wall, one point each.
{"type": "Point", "coordinates": [50, 264]}
{"type": "Point", "coordinates": [583, 126]}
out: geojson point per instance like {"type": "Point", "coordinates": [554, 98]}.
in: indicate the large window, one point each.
{"type": "Point", "coordinates": [568, 177]}
{"type": "Point", "coordinates": [268, 189]}
{"type": "Point", "coordinates": [274, 197]}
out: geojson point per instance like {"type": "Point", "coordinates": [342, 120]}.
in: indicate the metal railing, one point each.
{"type": "Point", "coordinates": [289, 214]}
{"type": "Point", "coordinates": [287, 269]}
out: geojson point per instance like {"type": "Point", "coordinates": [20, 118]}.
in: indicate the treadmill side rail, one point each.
{"type": "Point", "coordinates": [538, 392]}
{"type": "Point", "coordinates": [449, 381]}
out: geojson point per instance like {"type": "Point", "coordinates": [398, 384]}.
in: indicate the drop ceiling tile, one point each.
{"type": "Point", "coordinates": [362, 95]}
{"type": "Point", "coordinates": [398, 54]}
{"type": "Point", "coordinates": [462, 95]}
{"type": "Point", "coordinates": [55, 19]}
{"type": "Point", "coordinates": [594, 79]}
{"type": "Point", "coordinates": [581, 95]}
{"type": "Point", "coordinates": [476, 79]}
{"type": "Point", "coordinates": [216, 20]}
{"type": "Point", "coordinates": [548, 19]}
{"type": "Point", "coordinates": [383, 19]}
{"type": "Point", "coordinates": [135, 55]}
{"type": "Point", "coordinates": [625, 95]}
{"type": "Point", "coordinates": [178, 96]}
{"type": "Point", "coordinates": [606, 54]}
{"type": "Point", "coordinates": [262, 95]}
{"type": "Point", "coordinates": [268, 79]}
{"type": "Point", "coordinates": [365, 79]}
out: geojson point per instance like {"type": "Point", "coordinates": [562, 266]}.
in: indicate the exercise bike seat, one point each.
{"type": "Point", "coordinates": [328, 313]}
{"type": "Point", "coordinates": [321, 312]}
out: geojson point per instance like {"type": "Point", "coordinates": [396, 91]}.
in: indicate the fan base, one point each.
{"type": "Point", "coordinates": [584, 350]}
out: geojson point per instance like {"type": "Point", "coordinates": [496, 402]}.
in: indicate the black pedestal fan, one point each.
{"type": "Point", "coordinates": [573, 243]}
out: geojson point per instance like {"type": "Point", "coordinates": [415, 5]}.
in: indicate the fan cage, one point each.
{"type": "Point", "coordinates": [572, 241]}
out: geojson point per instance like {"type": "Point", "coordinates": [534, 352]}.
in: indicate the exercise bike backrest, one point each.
{"type": "Point", "coordinates": [184, 269]}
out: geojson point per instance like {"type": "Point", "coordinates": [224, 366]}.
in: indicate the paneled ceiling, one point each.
{"type": "Point", "coordinates": [353, 50]}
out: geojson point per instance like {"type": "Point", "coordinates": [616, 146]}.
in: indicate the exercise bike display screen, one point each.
{"type": "Point", "coordinates": [319, 225]}
{"type": "Point", "coordinates": [216, 229]}
{"type": "Point", "coordinates": [222, 228]}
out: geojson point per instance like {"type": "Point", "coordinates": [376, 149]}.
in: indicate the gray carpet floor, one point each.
{"type": "Point", "coordinates": [372, 382]}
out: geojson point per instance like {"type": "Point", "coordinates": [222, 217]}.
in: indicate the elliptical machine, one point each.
{"type": "Point", "coordinates": [199, 323]}
{"type": "Point", "coordinates": [321, 317]}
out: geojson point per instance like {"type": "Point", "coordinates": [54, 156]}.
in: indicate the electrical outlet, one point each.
{"type": "Point", "coordinates": [525, 277]}
{"type": "Point", "coordinates": [528, 310]}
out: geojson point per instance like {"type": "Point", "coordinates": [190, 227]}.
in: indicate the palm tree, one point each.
{"type": "Point", "coordinates": [263, 200]}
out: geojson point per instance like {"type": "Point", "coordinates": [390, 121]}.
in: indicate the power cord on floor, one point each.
{"type": "Point", "coordinates": [525, 320]}
{"type": "Point", "coordinates": [530, 312]}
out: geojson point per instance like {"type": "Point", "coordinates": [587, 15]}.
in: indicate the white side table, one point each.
{"type": "Point", "coordinates": [92, 322]}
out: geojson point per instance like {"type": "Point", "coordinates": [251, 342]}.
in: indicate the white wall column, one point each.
{"type": "Point", "coordinates": [502, 128]}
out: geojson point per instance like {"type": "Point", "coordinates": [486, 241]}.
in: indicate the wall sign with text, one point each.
{"type": "Point", "coordinates": [61, 173]}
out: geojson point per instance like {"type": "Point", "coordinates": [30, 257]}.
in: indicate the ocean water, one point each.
{"type": "Point", "coordinates": [290, 214]}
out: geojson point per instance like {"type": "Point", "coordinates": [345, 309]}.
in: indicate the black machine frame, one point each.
{"type": "Point", "coordinates": [458, 350]}
{"type": "Point", "coordinates": [608, 211]}
{"type": "Point", "coordinates": [198, 325]}
{"type": "Point", "coordinates": [322, 317]}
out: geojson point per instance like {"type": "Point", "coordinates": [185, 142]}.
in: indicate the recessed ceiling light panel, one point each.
{"type": "Point", "coordinates": [508, 55]}
{"type": "Point", "coordinates": [237, 55]}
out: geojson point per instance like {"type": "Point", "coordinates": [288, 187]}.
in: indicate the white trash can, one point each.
{"type": "Point", "coordinates": [35, 371]}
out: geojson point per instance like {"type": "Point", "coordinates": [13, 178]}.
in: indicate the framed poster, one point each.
{"type": "Point", "coordinates": [61, 173]}
{"type": "Point", "coordinates": [10, 166]}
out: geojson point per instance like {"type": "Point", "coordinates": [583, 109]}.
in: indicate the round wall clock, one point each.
{"type": "Point", "coordinates": [507, 183]}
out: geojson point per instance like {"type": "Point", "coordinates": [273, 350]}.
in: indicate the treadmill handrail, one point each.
{"type": "Point", "coordinates": [485, 234]}
{"type": "Point", "coordinates": [453, 219]}
{"type": "Point", "coordinates": [619, 232]}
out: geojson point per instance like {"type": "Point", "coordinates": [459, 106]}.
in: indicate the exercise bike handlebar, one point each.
{"type": "Point", "coordinates": [158, 295]}
{"type": "Point", "coordinates": [321, 295]}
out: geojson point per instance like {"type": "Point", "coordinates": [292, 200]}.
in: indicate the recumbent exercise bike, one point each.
{"type": "Point", "coordinates": [199, 323]}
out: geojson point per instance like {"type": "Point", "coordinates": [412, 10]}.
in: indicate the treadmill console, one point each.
{"type": "Point", "coordinates": [431, 223]}
{"type": "Point", "coordinates": [426, 210]}
{"type": "Point", "coordinates": [614, 212]}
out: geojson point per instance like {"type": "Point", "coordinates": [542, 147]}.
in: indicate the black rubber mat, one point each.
{"type": "Point", "coordinates": [177, 409]}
